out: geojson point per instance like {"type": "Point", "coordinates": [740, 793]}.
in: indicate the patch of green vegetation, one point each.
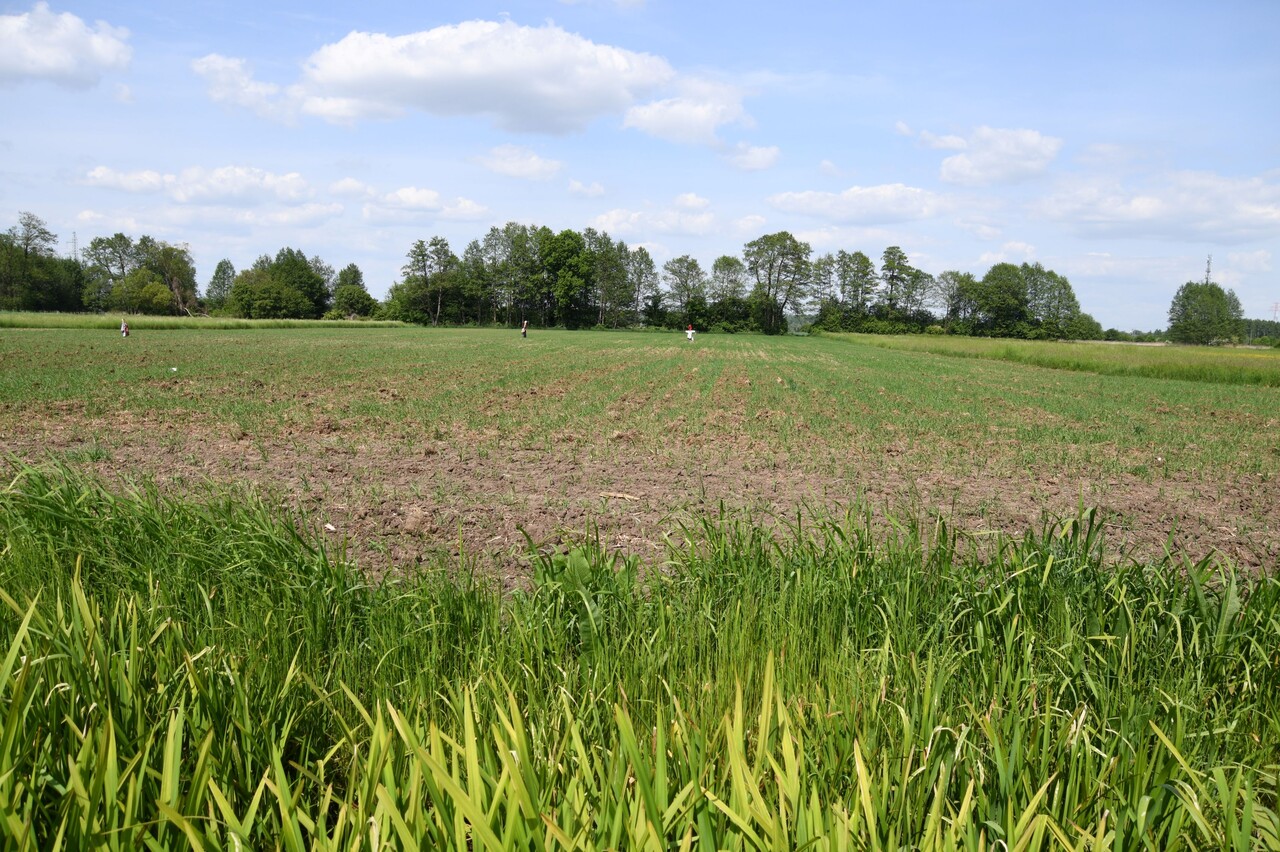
{"type": "Point", "coordinates": [1225, 365]}
{"type": "Point", "coordinates": [140, 322]}
{"type": "Point", "coordinates": [207, 673]}
{"type": "Point", "coordinates": [824, 405]}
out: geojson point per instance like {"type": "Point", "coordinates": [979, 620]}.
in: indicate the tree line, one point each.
{"type": "Point", "coordinates": [573, 279]}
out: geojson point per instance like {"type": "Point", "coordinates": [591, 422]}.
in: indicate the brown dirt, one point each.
{"type": "Point", "coordinates": [397, 503]}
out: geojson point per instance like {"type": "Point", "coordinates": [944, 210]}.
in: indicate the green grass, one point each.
{"type": "Point", "coordinates": [818, 406]}
{"type": "Point", "coordinates": [1224, 365]}
{"type": "Point", "coordinates": [141, 322]}
{"type": "Point", "coordinates": [194, 672]}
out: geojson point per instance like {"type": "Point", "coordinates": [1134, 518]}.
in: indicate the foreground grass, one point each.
{"type": "Point", "coordinates": [1187, 363]}
{"type": "Point", "coordinates": [196, 673]}
{"type": "Point", "coordinates": [145, 322]}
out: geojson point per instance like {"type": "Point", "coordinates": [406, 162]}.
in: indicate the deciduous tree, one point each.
{"type": "Point", "coordinates": [779, 263]}
{"type": "Point", "coordinates": [1203, 313]}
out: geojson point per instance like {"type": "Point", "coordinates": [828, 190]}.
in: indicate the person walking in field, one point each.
{"type": "Point", "coordinates": [689, 333]}
{"type": "Point", "coordinates": [524, 329]}
{"type": "Point", "coordinates": [124, 328]}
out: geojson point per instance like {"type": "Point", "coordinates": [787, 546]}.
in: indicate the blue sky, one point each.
{"type": "Point", "coordinates": [1118, 143]}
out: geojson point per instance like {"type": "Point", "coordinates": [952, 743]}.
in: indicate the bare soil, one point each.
{"type": "Point", "coordinates": [397, 503]}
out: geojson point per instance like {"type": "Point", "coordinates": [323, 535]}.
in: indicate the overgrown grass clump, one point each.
{"type": "Point", "coordinates": [182, 672]}
{"type": "Point", "coordinates": [1219, 365]}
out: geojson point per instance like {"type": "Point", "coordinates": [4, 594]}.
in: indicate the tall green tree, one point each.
{"type": "Point", "coordinates": [32, 276]}
{"type": "Point", "coordinates": [823, 286]}
{"type": "Point", "coordinates": [687, 285]}
{"type": "Point", "coordinates": [610, 284]}
{"type": "Point", "coordinates": [643, 280]}
{"type": "Point", "coordinates": [894, 272]}
{"type": "Point", "coordinates": [728, 279]}
{"type": "Point", "coordinates": [293, 270]}
{"type": "Point", "coordinates": [174, 266]}
{"type": "Point", "coordinates": [219, 289]}
{"type": "Point", "coordinates": [779, 263]}
{"type": "Point", "coordinates": [953, 298]}
{"type": "Point", "coordinates": [1000, 302]}
{"type": "Point", "coordinates": [857, 280]}
{"type": "Point", "coordinates": [1051, 303]}
{"type": "Point", "coordinates": [142, 292]}
{"type": "Point", "coordinates": [257, 294]}
{"type": "Point", "coordinates": [1203, 313]}
{"type": "Point", "coordinates": [350, 297]}
{"type": "Point", "coordinates": [566, 269]}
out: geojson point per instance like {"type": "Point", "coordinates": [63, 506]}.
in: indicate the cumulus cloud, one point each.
{"type": "Point", "coordinates": [749, 224]}
{"type": "Point", "coordinates": [1174, 206]}
{"type": "Point", "coordinates": [296, 216]}
{"type": "Point", "coordinates": [864, 204]}
{"type": "Point", "coordinates": [352, 188]}
{"type": "Point", "coordinates": [410, 203]}
{"type": "Point", "coordinates": [994, 155]}
{"type": "Point", "coordinates": [692, 201]}
{"type": "Point", "coordinates": [514, 161]}
{"type": "Point", "coordinates": [239, 183]}
{"type": "Point", "coordinates": [688, 214]}
{"type": "Point", "coordinates": [750, 158]}
{"type": "Point", "coordinates": [586, 190]}
{"type": "Point", "coordinates": [523, 78]}
{"type": "Point", "coordinates": [945, 143]}
{"type": "Point", "coordinates": [60, 48]}
{"type": "Point", "coordinates": [538, 79]}
{"type": "Point", "coordinates": [231, 81]}
{"type": "Point", "coordinates": [694, 116]}
{"type": "Point", "coordinates": [1010, 252]}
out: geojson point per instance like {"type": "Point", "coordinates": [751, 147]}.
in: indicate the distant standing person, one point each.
{"type": "Point", "coordinates": [689, 333]}
{"type": "Point", "coordinates": [124, 328]}
{"type": "Point", "coordinates": [524, 329]}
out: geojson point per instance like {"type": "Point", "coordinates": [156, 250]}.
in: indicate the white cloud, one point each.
{"type": "Point", "coordinates": [830, 238]}
{"type": "Point", "coordinates": [903, 129]}
{"type": "Point", "coordinates": [60, 48]}
{"type": "Point", "coordinates": [297, 216]}
{"type": "Point", "coordinates": [1011, 252]}
{"type": "Point", "coordinates": [106, 221]}
{"type": "Point", "coordinates": [524, 78]}
{"type": "Point", "coordinates": [1174, 206]}
{"type": "Point", "coordinates": [514, 161]}
{"type": "Point", "coordinates": [864, 204]}
{"type": "Point", "coordinates": [750, 224]}
{"type": "Point", "coordinates": [692, 117]}
{"type": "Point", "coordinates": [829, 168]}
{"type": "Point", "coordinates": [586, 190]}
{"type": "Point", "coordinates": [945, 143]}
{"type": "Point", "coordinates": [688, 215]}
{"type": "Point", "coordinates": [750, 158]}
{"type": "Point", "coordinates": [352, 188]}
{"type": "Point", "coordinates": [692, 201]}
{"type": "Point", "coordinates": [995, 155]}
{"type": "Point", "coordinates": [239, 183]}
{"type": "Point", "coordinates": [410, 203]}
{"type": "Point", "coordinates": [231, 82]}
